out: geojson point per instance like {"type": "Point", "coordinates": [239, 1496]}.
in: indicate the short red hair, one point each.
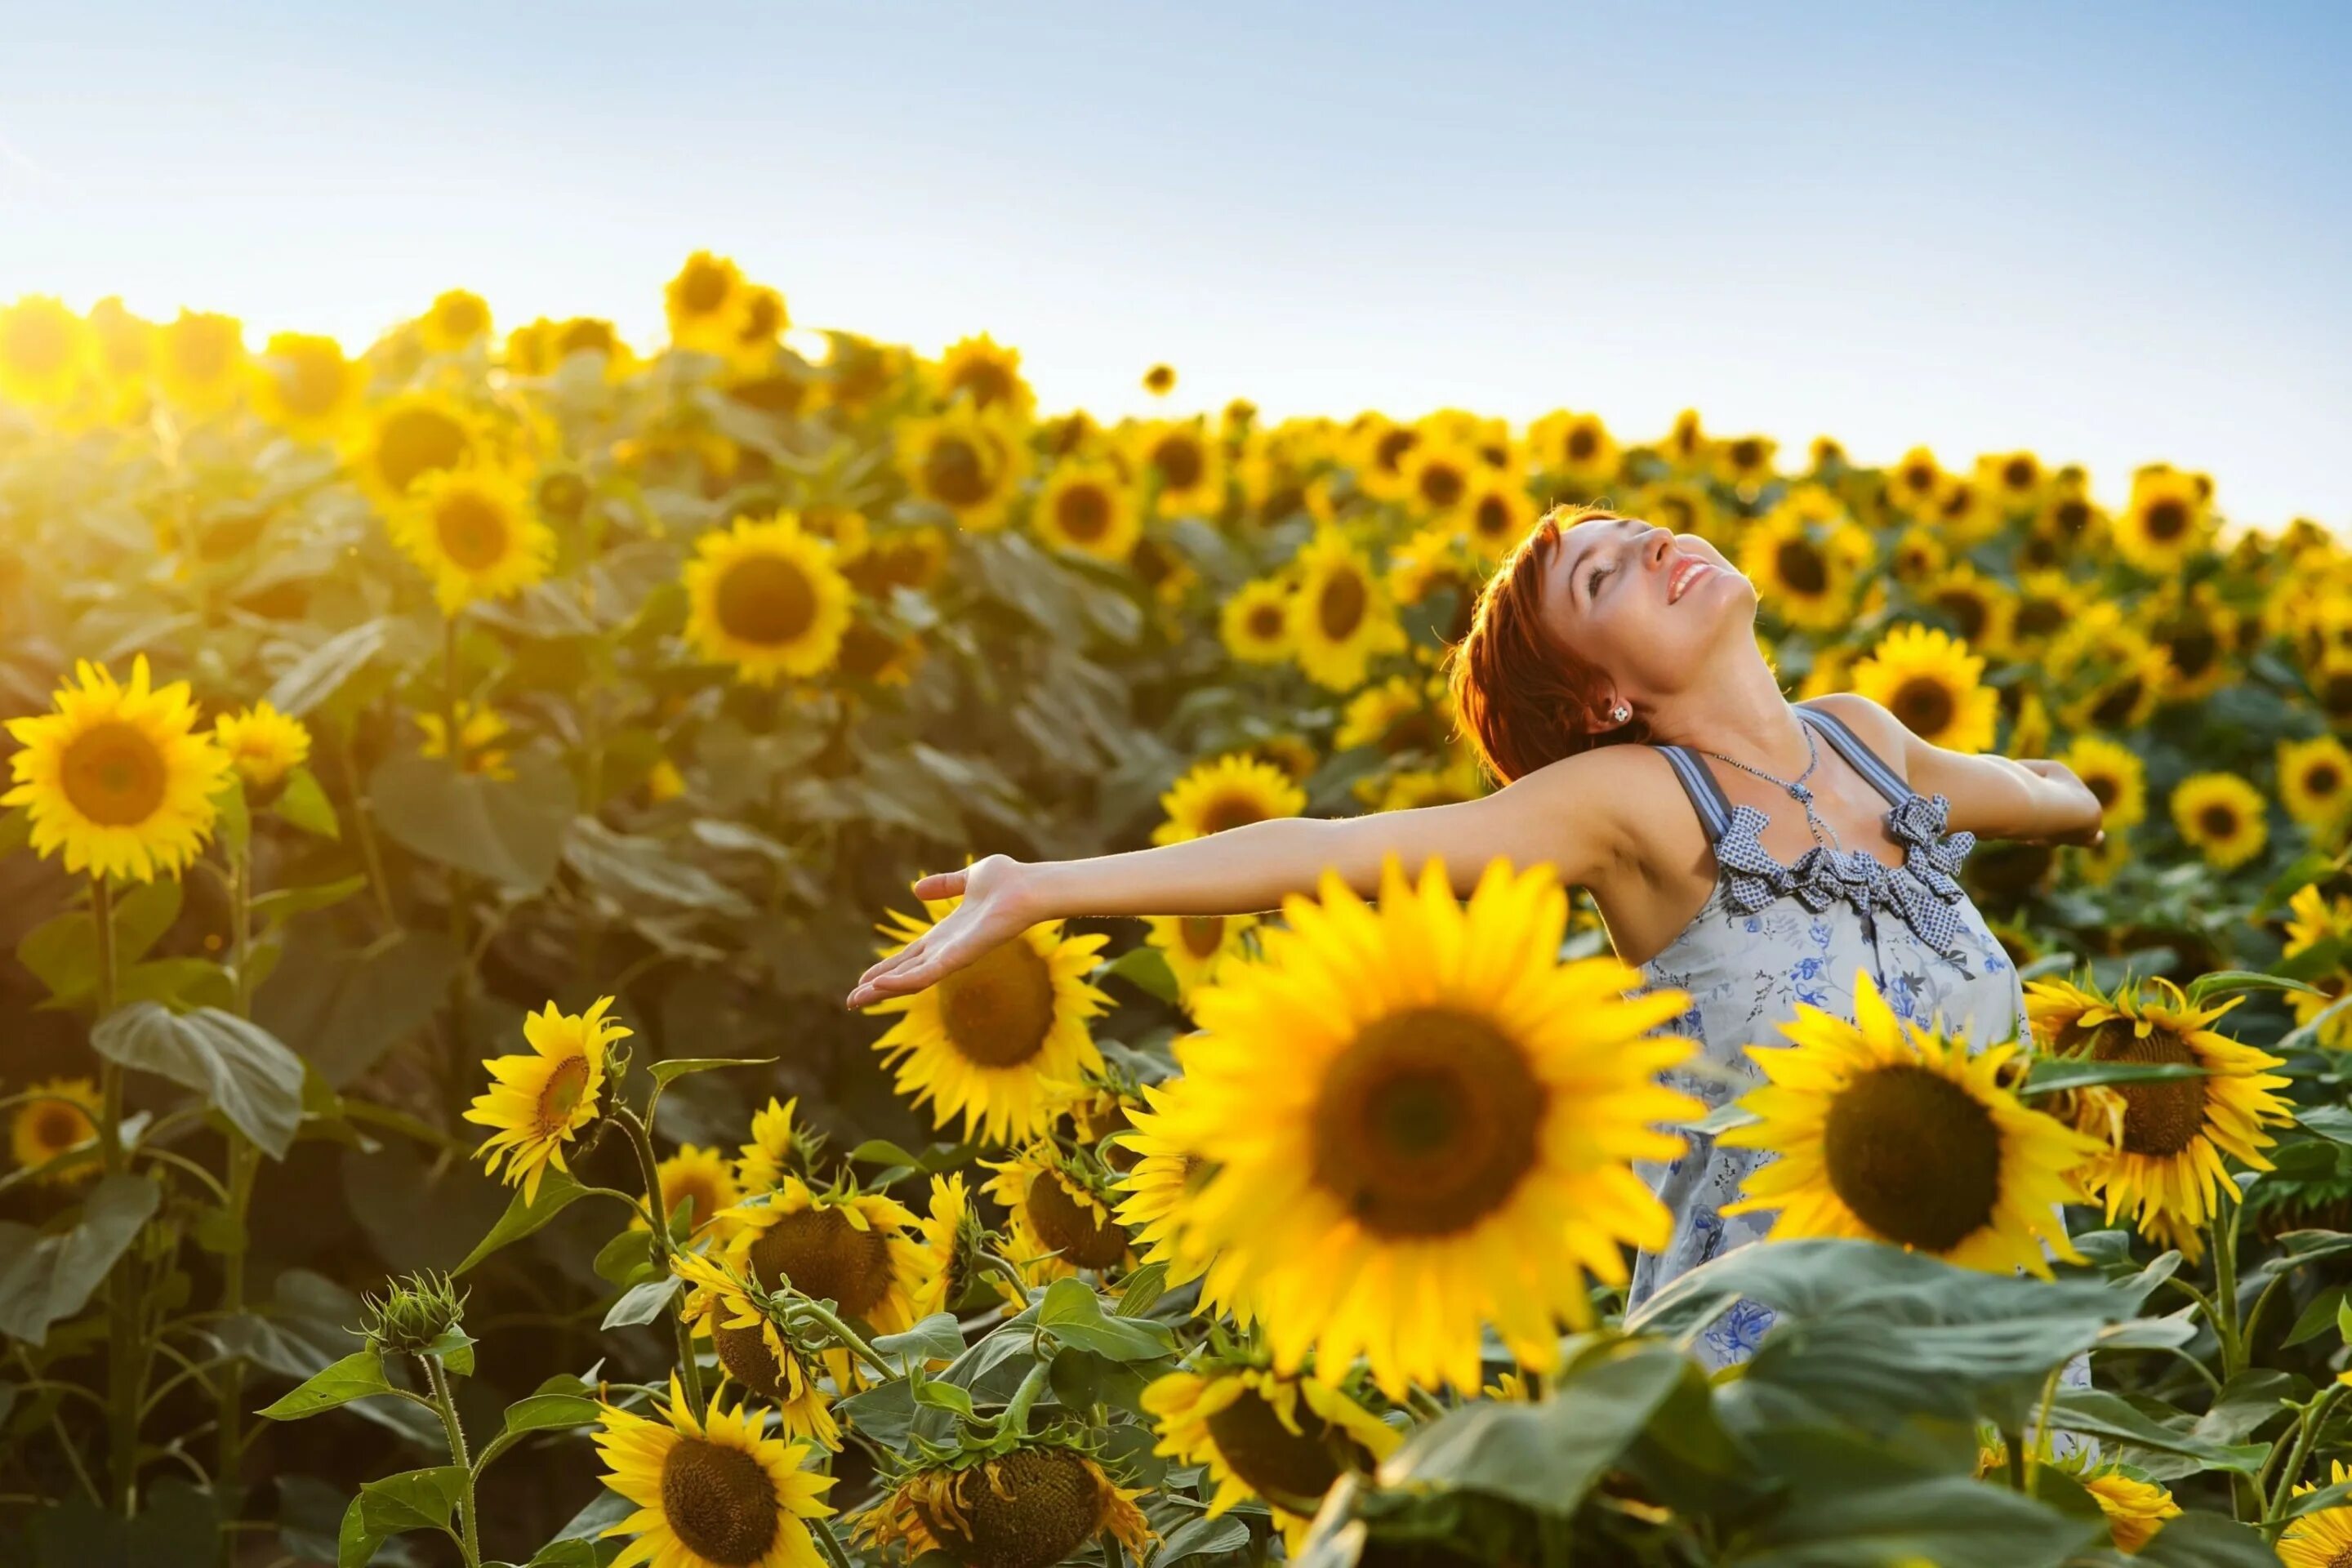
{"type": "Point", "coordinates": [1523, 699]}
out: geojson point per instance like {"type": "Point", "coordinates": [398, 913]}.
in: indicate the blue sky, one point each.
{"type": "Point", "coordinates": [2113, 233]}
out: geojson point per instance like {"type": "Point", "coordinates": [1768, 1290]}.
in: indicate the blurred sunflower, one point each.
{"type": "Point", "coordinates": [1230, 791]}
{"type": "Point", "coordinates": [1438, 475]}
{"type": "Point", "coordinates": [2014, 478]}
{"type": "Point", "coordinates": [1181, 468]}
{"type": "Point", "coordinates": [1916, 482]}
{"type": "Point", "coordinates": [1917, 557]}
{"type": "Point", "coordinates": [1340, 620]}
{"type": "Point", "coordinates": [1282, 1440]}
{"type": "Point", "coordinates": [1085, 508]}
{"type": "Point", "coordinates": [455, 320]}
{"type": "Point", "coordinates": [473, 532]}
{"type": "Point", "coordinates": [2069, 524]}
{"type": "Point", "coordinates": [478, 728]}
{"type": "Point", "coordinates": [752, 1350]}
{"type": "Point", "coordinates": [2134, 1508]}
{"type": "Point", "coordinates": [1029, 1508]}
{"type": "Point", "coordinates": [1255, 622]}
{"type": "Point", "coordinates": [539, 1101]}
{"type": "Point", "coordinates": [2222, 816]}
{"type": "Point", "coordinates": [1933, 684]}
{"type": "Point", "coordinates": [2314, 779]}
{"type": "Point", "coordinates": [2196, 632]}
{"type": "Point", "coordinates": [848, 1247]}
{"type": "Point", "coordinates": [2045, 602]}
{"type": "Point", "coordinates": [706, 304]}
{"type": "Point", "coordinates": [56, 1118]}
{"type": "Point", "coordinates": [263, 744]}
{"type": "Point", "coordinates": [984, 1042]}
{"type": "Point", "coordinates": [2165, 522]}
{"type": "Point", "coordinates": [1966, 511]}
{"type": "Point", "coordinates": [763, 320]}
{"type": "Point", "coordinates": [1377, 447]}
{"type": "Point", "coordinates": [1743, 462]}
{"type": "Point", "coordinates": [1407, 789]}
{"type": "Point", "coordinates": [766, 598]}
{"type": "Point", "coordinates": [2162, 1145]}
{"type": "Point", "coordinates": [1159, 380]}
{"type": "Point", "coordinates": [2116, 775]}
{"type": "Point", "coordinates": [1686, 445]}
{"type": "Point", "coordinates": [1575, 450]}
{"type": "Point", "coordinates": [1681, 508]}
{"type": "Point", "coordinates": [2321, 1538]}
{"type": "Point", "coordinates": [46, 351]}
{"type": "Point", "coordinates": [2314, 919]}
{"type": "Point", "coordinates": [117, 776]}
{"type": "Point", "coordinates": [1977, 606]}
{"type": "Point", "coordinates": [698, 1179]}
{"type": "Point", "coordinates": [1805, 569]}
{"type": "Point", "coordinates": [968, 463]}
{"type": "Point", "coordinates": [2114, 672]}
{"type": "Point", "coordinates": [304, 385]}
{"type": "Point", "coordinates": [200, 362]}
{"type": "Point", "coordinates": [1895, 1133]}
{"type": "Point", "coordinates": [1403, 713]}
{"type": "Point", "coordinates": [1273, 489]}
{"type": "Point", "coordinates": [714, 1493]}
{"type": "Point", "coordinates": [125, 353]}
{"type": "Point", "coordinates": [407, 437]}
{"type": "Point", "coordinates": [1060, 1209]}
{"type": "Point", "coordinates": [1196, 946]}
{"type": "Point", "coordinates": [986, 375]}
{"type": "Point", "coordinates": [1420, 1120]}
{"type": "Point", "coordinates": [1497, 515]}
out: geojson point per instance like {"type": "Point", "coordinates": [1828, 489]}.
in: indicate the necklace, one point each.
{"type": "Point", "coordinates": [1823, 834]}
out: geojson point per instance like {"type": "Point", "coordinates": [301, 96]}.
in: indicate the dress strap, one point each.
{"type": "Point", "coordinates": [1852, 747]}
{"type": "Point", "coordinates": [1706, 796]}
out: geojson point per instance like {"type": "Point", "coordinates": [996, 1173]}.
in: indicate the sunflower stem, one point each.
{"type": "Point", "coordinates": [2013, 1441]}
{"type": "Point", "coordinates": [2314, 1416]}
{"type": "Point", "coordinates": [244, 1164]}
{"type": "Point", "coordinates": [689, 1370]}
{"type": "Point", "coordinates": [2225, 1294]}
{"type": "Point", "coordinates": [456, 1432]}
{"type": "Point", "coordinates": [1015, 1418]}
{"type": "Point", "coordinates": [371, 854]}
{"type": "Point", "coordinates": [829, 1544]}
{"type": "Point", "coordinates": [126, 1356]}
{"type": "Point", "coordinates": [846, 1335]}
{"type": "Point", "coordinates": [2042, 1426]}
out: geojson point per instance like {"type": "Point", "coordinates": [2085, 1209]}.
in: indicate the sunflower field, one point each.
{"type": "Point", "coordinates": [451, 787]}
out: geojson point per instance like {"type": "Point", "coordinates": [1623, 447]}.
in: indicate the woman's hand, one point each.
{"type": "Point", "coordinates": [996, 908]}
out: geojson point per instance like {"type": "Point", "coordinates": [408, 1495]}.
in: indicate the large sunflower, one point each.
{"type": "Point", "coordinates": [1086, 508]}
{"type": "Point", "coordinates": [2116, 775]}
{"type": "Point", "coordinates": [2165, 522]}
{"type": "Point", "coordinates": [767, 598]}
{"type": "Point", "coordinates": [473, 532]}
{"type": "Point", "coordinates": [1254, 623]}
{"type": "Point", "coordinates": [1933, 684]}
{"type": "Point", "coordinates": [118, 777]}
{"type": "Point", "coordinates": [1197, 946]}
{"type": "Point", "coordinates": [404, 438]}
{"type": "Point", "coordinates": [2221, 816]}
{"type": "Point", "coordinates": [1894, 1132]}
{"type": "Point", "coordinates": [966, 462]}
{"type": "Point", "coordinates": [539, 1101]}
{"type": "Point", "coordinates": [455, 320]}
{"type": "Point", "coordinates": [1283, 1440]}
{"type": "Point", "coordinates": [716, 1493]}
{"type": "Point", "coordinates": [752, 1350]}
{"type": "Point", "coordinates": [1030, 1507]}
{"type": "Point", "coordinates": [2323, 1537]}
{"type": "Point", "coordinates": [305, 386]}
{"type": "Point", "coordinates": [1340, 620]}
{"type": "Point", "coordinates": [987, 1041]}
{"type": "Point", "coordinates": [1230, 791]}
{"type": "Point", "coordinates": [1060, 1209]}
{"type": "Point", "coordinates": [45, 352]}
{"type": "Point", "coordinates": [1421, 1120]}
{"type": "Point", "coordinates": [2162, 1145]}
{"type": "Point", "coordinates": [56, 1118]}
{"type": "Point", "coordinates": [707, 304]}
{"type": "Point", "coordinates": [2314, 780]}
{"type": "Point", "coordinates": [848, 1247]}
{"type": "Point", "coordinates": [199, 361]}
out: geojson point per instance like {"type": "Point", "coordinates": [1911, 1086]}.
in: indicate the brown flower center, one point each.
{"type": "Point", "coordinates": [766, 599]}
{"type": "Point", "coordinates": [1201, 935]}
{"type": "Point", "coordinates": [1924, 705]}
{"type": "Point", "coordinates": [2105, 787]}
{"type": "Point", "coordinates": [1290, 1469]}
{"type": "Point", "coordinates": [2040, 618]}
{"type": "Point", "coordinates": [826, 1256]}
{"type": "Point", "coordinates": [2159, 1119]}
{"type": "Point", "coordinates": [1913, 1155]}
{"type": "Point", "coordinates": [1492, 517]}
{"type": "Point", "coordinates": [955, 473]}
{"type": "Point", "coordinates": [114, 774]}
{"type": "Point", "coordinates": [473, 529]}
{"type": "Point", "coordinates": [998, 1009]}
{"type": "Point", "coordinates": [1968, 609]}
{"type": "Point", "coordinates": [60, 1128]}
{"type": "Point", "coordinates": [2218, 820]}
{"type": "Point", "coordinates": [1341, 606]}
{"type": "Point", "coordinates": [1236, 809]}
{"type": "Point", "coordinates": [1072, 1229]}
{"type": "Point", "coordinates": [1391, 448]}
{"type": "Point", "coordinates": [559, 1099]}
{"type": "Point", "coordinates": [1266, 621]}
{"type": "Point", "coordinates": [745, 1355]}
{"type": "Point", "coordinates": [1801, 567]}
{"type": "Point", "coordinates": [1746, 453]}
{"type": "Point", "coordinates": [2321, 780]}
{"type": "Point", "coordinates": [2166, 521]}
{"type": "Point", "coordinates": [1028, 1510]}
{"type": "Point", "coordinates": [703, 289]}
{"type": "Point", "coordinates": [1083, 513]}
{"type": "Point", "coordinates": [1443, 485]}
{"type": "Point", "coordinates": [1583, 442]}
{"type": "Point", "coordinates": [719, 1502]}
{"type": "Point", "coordinates": [985, 380]}
{"type": "Point", "coordinates": [414, 442]}
{"type": "Point", "coordinates": [1179, 460]}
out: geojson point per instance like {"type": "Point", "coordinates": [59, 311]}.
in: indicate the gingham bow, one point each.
{"type": "Point", "coordinates": [1920, 891]}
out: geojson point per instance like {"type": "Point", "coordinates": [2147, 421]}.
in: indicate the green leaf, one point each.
{"type": "Point", "coordinates": [321, 673]}
{"type": "Point", "coordinates": [627, 1255]}
{"type": "Point", "coordinates": [2221, 981]}
{"type": "Point", "coordinates": [2332, 1123]}
{"type": "Point", "coordinates": [1851, 1507]}
{"type": "Point", "coordinates": [15, 830]}
{"type": "Point", "coordinates": [642, 1303]}
{"type": "Point", "coordinates": [344, 1007]}
{"type": "Point", "coordinates": [1139, 1289]}
{"type": "Point", "coordinates": [62, 954]}
{"type": "Point", "coordinates": [143, 915]}
{"type": "Point", "coordinates": [557, 1191]}
{"type": "Point", "coordinates": [936, 1337]}
{"type": "Point", "coordinates": [510, 831]}
{"type": "Point", "coordinates": [1146, 966]}
{"type": "Point", "coordinates": [2202, 1539]}
{"type": "Point", "coordinates": [359, 1376]}
{"type": "Point", "coordinates": [2098, 1414]}
{"type": "Point", "coordinates": [1202, 1537]}
{"type": "Point", "coordinates": [241, 1069]}
{"type": "Point", "coordinates": [943, 1396]}
{"type": "Point", "coordinates": [303, 803]}
{"type": "Point", "coordinates": [285, 903]}
{"type": "Point", "coordinates": [633, 867]}
{"type": "Point", "coordinates": [416, 1500]}
{"type": "Point", "coordinates": [1072, 1314]}
{"type": "Point", "coordinates": [551, 1413]}
{"type": "Point", "coordinates": [2319, 1317]}
{"type": "Point", "coordinates": [453, 1348]}
{"type": "Point", "coordinates": [2051, 1074]}
{"type": "Point", "coordinates": [664, 1072]}
{"type": "Point", "coordinates": [46, 1278]}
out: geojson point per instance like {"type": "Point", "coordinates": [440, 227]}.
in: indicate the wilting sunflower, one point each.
{"type": "Point", "coordinates": [1086, 508]}
{"type": "Point", "coordinates": [2222, 816]}
{"type": "Point", "coordinates": [407, 437]}
{"type": "Point", "coordinates": [119, 777]}
{"type": "Point", "coordinates": [2321, 1538]}
{"type": "Point", "coordinates": [57, 1117]}
{"type": "Point", "coordinates": [263, 744]}
{"type": "Point", "coordinates": [477, 729]}
{"type": "Point", "coordinates": [766, 598]}
{"type": "Point", "coordinates": [1283, 1440]}
{"type": "Point", "coordinates": [949, 1240]}
{"type": "Point", "coordinates": [2115, 775]}
{"type": "Point", "coordinates": [966, 462]}
{"type": "Point", "coordinates": [1893, 1132]}
{"type": "Point", "coordinates": [1254, 623]}
{"type": "Point", "coordinates": [2315, 781]}
{"type": "Point", "coordinates": [2165, 522]}
{"type": "Point", "coordinates": [985, 373]}
{"type": "Point", "coordinates": [716, 1493]}
{"type": "Point", "coordinates": [699, 1179]}
{"type": "Point", "coordinates": [775, 1152]}
{"type": "Point", "coordinates": [1340, 620]}
{"type": "Point", "coordinates": [1180, 465]}
{"type": "Point", "coordinates": [1934, 684]}
{"type": "Point", "coordinates": [2162, 1145]}
{"type": "Point", "coordinates": [705, 304]}
{"type": "Point", "coordinates": [1230, 791]}
{"type": "Point", "coordinates": [199, 361]}
{"type": "Point", "coordinates": [848, 1247]}
{"type": "Point", "coordinates": [303, 384]}
{"type": "Point", "coordinates": [1197, 946]}
{"type": "Point", "coordinates": [539, 1101]}
{"type": "Point", "coordinates": [1029, 1508]}
{"type": "Point", "coordinates": [1804, 569]}
{"type": "Point", "coordinates": [1575, 449]}
{"type": "Point", "coordinates": [985, 1042]}
{"type": "Point", "coordinates": [1420, 1119]}
{"type": "Point", "coordinates": [752, 1348]}
{"type": "Point", "coordinates": [455, 320]}
{"type": "Point", "coordinates": [1060, 1214]}
{"type": "Point", "coordinates": [45, 352]}
{"type": "Point", "coordinates": [473, 532]}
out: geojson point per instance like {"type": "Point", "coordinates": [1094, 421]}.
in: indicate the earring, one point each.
{"type": "Point", "coordinates": [1621, 713]}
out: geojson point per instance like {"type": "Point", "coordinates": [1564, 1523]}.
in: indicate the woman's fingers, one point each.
{"type": "Point", "coordinates": [940, 885]}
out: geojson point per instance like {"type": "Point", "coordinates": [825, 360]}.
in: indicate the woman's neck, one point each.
{"type": "Point", "coordinates": [1739, 712]}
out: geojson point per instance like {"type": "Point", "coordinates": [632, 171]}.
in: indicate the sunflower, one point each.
{"type": "Point", "coordinates": [1575, 450]}
{"type": "Point", "coordinates": [764, 320]}
{"type": "Point", "coordinates": [1408, 789]}
{"type": "Point", "coordinates": [54, 1118]}
{"type": "Point", "coordinates": [1159, 380]}
{"type": "Point", "coordinates": [2314, 780]}
{"type": "Point", "coordinates": [706, 304]}
{"type": "Point", "coordinates": [1273, 487]}
{"type": "Point", "coordinates": [2115, 775]}
{"type": "Point", "coordinates": [199, 361]}
{"type": "Point", "coordinates": [775, 1152]}
{"type": "Point", "coordinates": [117, 776]}
{"type": "Point", "coordinates": [1400, 714]}
{"type": "Point", "coordinates": [263, 744]}
{"type": "Point", "coordinates": [949, 1242]}
{"type": "Point", "coordinates": [407, 437]}
{"type": "Point", "coordinates": [1420, 1118]}
{"type": "Point", "coordinates": [1230, 791]}
{"type": "Point", "coordinates": [1254, 623]}
{"type": "Point", "coordinates": [1438, 475]}
{"type": "Point", "coordinates": [1685, 444]}
{"type": "Point", "coordinates": [984, 374]}
{"type": "Point", "coordinates": [699, 1179]}
{"type": "Point", "coordinates": [968, 462]}
{"type": "Point", "coordinates": [1915, 482]}
{"type": "Point", "coordinates": [1977, 606]}
{"type": "Point", "coordinates": [2044, 604]}
{"type": "Point", "coordinates": [2321, 1538]}
{"type": "Point", "coordinates": [45, 352]}
{"type": "Point", "coordinates": [1085, 508]}
{"type": "Point", "coordinates": [1894, 1132]}
{"type": "Point", "coordinates": [540, 1100]}
{"type": "Point", "coordinates": [2115, 672]}
{"type": "Point", "coordinates": [1029, 1508]}
{"type": "Point", "coordinates": [303, 384]}
{"type": "Point", "coordinates": [752, 1350]}
{"type": "Point", "coordinates": [1931, 682]}
{"type": "Point", "coordinates": [847, 1248]}
{"type": "Point", "coordinates": [477, 728]}
{"type": "Point", "coordinates": [1377, 449]}
{"type": "Point", "coordinates": [984, 1042]}
{"type": "Point", "coordinates": [715, 1493]}
{"type": "Point", "coordinates": [1197, 946]}
{"type": "Point", "coordinates": [125, 346]}
{"type": "Point", "coordinates": [2016, 479]}
{"type": "Point", "coordinates": [1497, 515]}
{"type": "Point", "coordinates": [2312, 919]}
{"type": "Point", "coordinates": [2196, 632]}
{"type": "Point", "coordinates": [455, 320]}
{"type": "Point", "coordinates": [1060, 1214]}
{"type": "Point", "coordinates": [473, 532]}
{"type": "Point", "coordinates": [1429, 560]}
{"type": "Point", "coordinates": [2134, 1508]}
{"type": "Point", "coordinates": [1340, 616]}
{"type": "Point", "coordinates": [1807, 569]}
{"type": "Point", "coordinates": [2162, 1145]}
{"type": "Point", "coordinates": [1181, 466]}
{"type": "Point", "coordinates": [1293, 754]}
{"type": "Point", "coordinates": [1966, 512]}
{"type": "Point", "coordinates": [766, 598]}
{"type": "Point", "coordinates": [1163, 1176]}
{"type": "Point", "coordinates": [2222, 816]}
{"type": "Point", "coordinates": [1285, 1440]}
{"type": "Point", "coordinates": [1917, 557]}
{"type": "Point", "coordinates": [2165, 522]}
{"type": "Point", "coordinates": [1743, 462]}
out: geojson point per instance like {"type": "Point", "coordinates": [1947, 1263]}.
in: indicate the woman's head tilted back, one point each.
{"type": "Point", "coordinates": [1591, 610]}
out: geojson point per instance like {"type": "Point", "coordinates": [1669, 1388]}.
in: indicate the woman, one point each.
{"type": "Point", "coordinates": [1751, 852]}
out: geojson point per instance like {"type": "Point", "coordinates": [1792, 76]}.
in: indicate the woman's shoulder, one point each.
{"type": "Point", "coordinates": [1871, 720]}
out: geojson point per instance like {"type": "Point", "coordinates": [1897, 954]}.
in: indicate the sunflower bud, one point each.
{"type": "Point", "coordinates": [413, 1315]}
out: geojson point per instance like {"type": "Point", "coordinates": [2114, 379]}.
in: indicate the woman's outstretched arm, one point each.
{"type": "Point", "coordinates": [1570, 814]}
{"type": "Point", "coordinates": [1992, 796]}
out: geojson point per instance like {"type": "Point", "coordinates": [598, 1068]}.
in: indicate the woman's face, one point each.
{"type": "Point", "coordinates": [1648, 605]}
